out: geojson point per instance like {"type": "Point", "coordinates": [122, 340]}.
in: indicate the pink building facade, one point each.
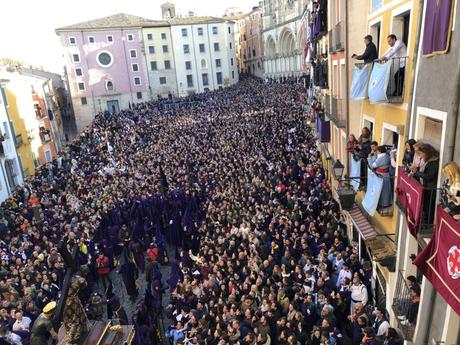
{"type": "Point", "coordinates": [251, 44]}
{"type": "Point", "coordinates": [105, 65]}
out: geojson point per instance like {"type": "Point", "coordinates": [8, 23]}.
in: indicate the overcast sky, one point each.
{"type": "Point", "coordinates": [27, 26]}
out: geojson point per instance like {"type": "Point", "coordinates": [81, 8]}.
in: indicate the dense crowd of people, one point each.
{"type": "Point", "coordinates": [233, 180]}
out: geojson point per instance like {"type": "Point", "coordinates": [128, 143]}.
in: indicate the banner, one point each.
{"type": "Point", "coordinates": [378, 82]}
{"type": "Point", "coordinates": [410, 195]}
{"type": "Point", "coordinates": [324, 129]}
{"type": "Point", "coordinates": [358, 89]}
{"type": "Point", "coordinates": [438, 26]}
{"type": "Point", "coordinates": [355, 171]}
{"type": "Point", "coordinates": [439, 261]}
{"type": "Point", "coordinates": [374, 188]}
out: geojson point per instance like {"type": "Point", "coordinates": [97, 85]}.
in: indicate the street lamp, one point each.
{"type": "Point", "coordinates": [337, 169]}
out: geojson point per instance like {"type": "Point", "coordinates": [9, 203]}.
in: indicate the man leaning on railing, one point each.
{"type": "Point", "coordinates": [397, 52]}
{"type": "Point", "coordinates": [370, 53]}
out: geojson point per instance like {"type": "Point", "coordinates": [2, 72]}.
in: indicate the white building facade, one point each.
{"type": "Point", "coordinates": [204, 54]}
{"type": "Point", "coordinates": [281, 38]}
{"type": "Point", "coordinates": [10, 167]}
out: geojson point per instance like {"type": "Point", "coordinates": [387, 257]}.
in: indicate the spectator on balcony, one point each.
{"type": "Point", "coordinates": [380, 164]}
{"type": "Point", "coordinates": [352, 143]}
{"type": "Point", "coordinates": [450, 193]}
{"type": "Point", "coordinates": [409, 152]}
{"type": "Point", "coordinates": [362, 152]}
{"type": "Point", "coordinates": [428, 178]}
{"type": "Point", "coordinates": [412, 312]}
{"type": "Point", "coordinates": [397, 52]}
{"type": "Point", "coordinates": [370, 53]}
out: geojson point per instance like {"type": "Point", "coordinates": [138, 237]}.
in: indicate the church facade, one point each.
{"type": "Point", "coordinates": [281, 38]}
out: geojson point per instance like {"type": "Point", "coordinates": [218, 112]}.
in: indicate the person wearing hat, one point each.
{"type": "Point", "coordinates": [42, 330]}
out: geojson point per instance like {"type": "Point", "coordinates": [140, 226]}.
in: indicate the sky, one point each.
{"type": "Point", "coordinates": [27, 26]}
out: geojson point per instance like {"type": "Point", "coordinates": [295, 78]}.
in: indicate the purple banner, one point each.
{"type": "Point", "coordinates": [438, 22]}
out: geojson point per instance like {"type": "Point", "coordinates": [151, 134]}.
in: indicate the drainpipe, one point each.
{"type": "Point", "coordinates": [347, 79]}
{"type": "Point", "coordinates": [418, 36]}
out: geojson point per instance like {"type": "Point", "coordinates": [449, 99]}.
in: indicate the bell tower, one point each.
{"type": "Point", "coordinates": [168, 10]}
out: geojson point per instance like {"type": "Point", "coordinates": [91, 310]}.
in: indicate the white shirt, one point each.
{"type": "Point", "coordinates": [382, 328]}
{"type": "Point", "coordinates": [22, 325]}
{"type": "Point", "coordinates": [398, 50]}
{"type": "Point", "coordinates": [359, 293]}
{"type": "Point", "coordinates": [343, 274]}
{"type": "Point", "coordinates": [13, 338]}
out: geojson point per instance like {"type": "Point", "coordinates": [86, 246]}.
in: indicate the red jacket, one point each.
{"type": "Point", "coordinates": [153, 254]}
{"type": "Point", "coordinates": [102, 266]}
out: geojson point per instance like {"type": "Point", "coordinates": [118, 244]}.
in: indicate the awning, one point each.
{"type": "Point", "coordinates": [361, 223]}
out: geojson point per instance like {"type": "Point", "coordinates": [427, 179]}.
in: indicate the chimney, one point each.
{"type": "Point", "coordinates": [168, 10]}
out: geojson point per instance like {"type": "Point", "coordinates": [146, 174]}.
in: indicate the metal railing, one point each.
{"type": "Point", "coordinates": [331, 41]}
{"type": "Point", "coordinates": [339, 36]}
{"type": "Point", "coordinates": [339, 112]}
{"type": "Point", "coordinates": [402, 307]}
{"type": "Point", "coordinates": [327, 104]}
{"type": "Point", "coordinates": [396, 84]}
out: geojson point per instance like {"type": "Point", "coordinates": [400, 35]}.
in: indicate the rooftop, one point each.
{"type": "Point", "coordinates": [196, 20]}
{"type": "Point", "coordinates": [120, 20]}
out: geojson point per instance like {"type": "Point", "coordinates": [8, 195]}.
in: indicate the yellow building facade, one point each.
{"type": "Point", "coordinates": [23, 144]}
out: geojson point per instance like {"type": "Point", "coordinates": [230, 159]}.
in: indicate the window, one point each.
{"type": "Point", "coordinates": [214, 30]}
{"type": "Point", "coordinates": [81, 86]}
{"type": "Point", "coordinates": [72, 41]}
{"type": "Point", "coordinates": [139, 95]}
{"type": "Point", "coordinates": [151, 50]}
{"type": "Point", "coordinates": [109, 38]}
{"type": "Point", "coordinates": [204, 63]}
{"type": "Point", "coordinates": [137, 81]}
{"type": "Point", "coordinates": [163, 36]}
{"type": "Point", "coordinates": [133, 53]}
{"type": "Point", "coordinates": [219, 78]}
{"type": "Point", "coordinates": [233, 74]}
{"type": "Point", "coordinates": [162, 80]}
{"type": "Point", "coordinates": [184, 33]}
{"type": "Point", "coordinates": [78, 72]}
{"type": "Point", "coordinates": [190, 80]}
{"type": "Point", "coordinates": [84, 101]}
{"type": "Point", "coordinates": [153, 65]}
{"type": "Point", "coordinates": [254, 52]}
{"type": "Point", "coordinates": [218, 63]}
{"type": "Point", "coordinates": [205, 79]}
{"type": "Point", "coordinates": [165, 49]}
{"type": "Point", "coordinates": [231, 61]}
{"type": "Point", "coordinates": [91, 40]}
{"type": "Point", "coordinates": [109, 85]}
{"type": "Point", "coordinates": [130, 37]}
{"type": "Point", "coordinates": [229, 30]}
{"type": "Point", "coordinates": [216, 47]}
{"type": "Point", "coordinates": [135, 67]}
{"type": "Point", "coordinates": [186, 49]}
{"type": "Point", "coordinates": [188, 65]}
{"type": "Point", "coordinates": [231, 45]}
{"type": "Point", "coordinates": [149, 37]}
{"type": "Point", "coordinates": [202, 48]}
{"type": "Point", "coordinates": [76, 57]}
{"type": "Point", "coordinates": [200, 31]}
{"type": "Point", "coordinates": [105, 59]}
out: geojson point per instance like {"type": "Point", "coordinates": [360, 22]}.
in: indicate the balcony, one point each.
{"type": "Point", "coordinates": [320, 76]}
{"type": "Point", "coordinates": [339, 36]}
{"type": "Point", "coordinates": [404, 309]}
{"type": "Point", "coordinates": [417, 203]}
{"type": "Point", "coordinates": [338, 114]}
{"type": "Point", "coordinates": [331, 42]}
{"type": "Point", "coordinates": [18, 141]}
{"type": "Point", "coordinates": [327, 104]}
{"type": "Point", "coordinates": [387, 81]}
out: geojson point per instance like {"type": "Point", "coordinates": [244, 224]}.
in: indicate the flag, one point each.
{"type": "Point", "coordinates": [374, 188]}
{"type": "Point", "coordinates": [355, 171]}
{"type": "Point", "coordinates": [439, 261]}
{"type": "Point", "coordinates": [378, 82]}
{"type": "Point", "coordinates": [359, 82]}
{"type": "Point", "coordinates": [410, 195]}
{"type": "Point", "coordinates": [437, 28]}
{"type": "Point", "coordinates": [324, 130]}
